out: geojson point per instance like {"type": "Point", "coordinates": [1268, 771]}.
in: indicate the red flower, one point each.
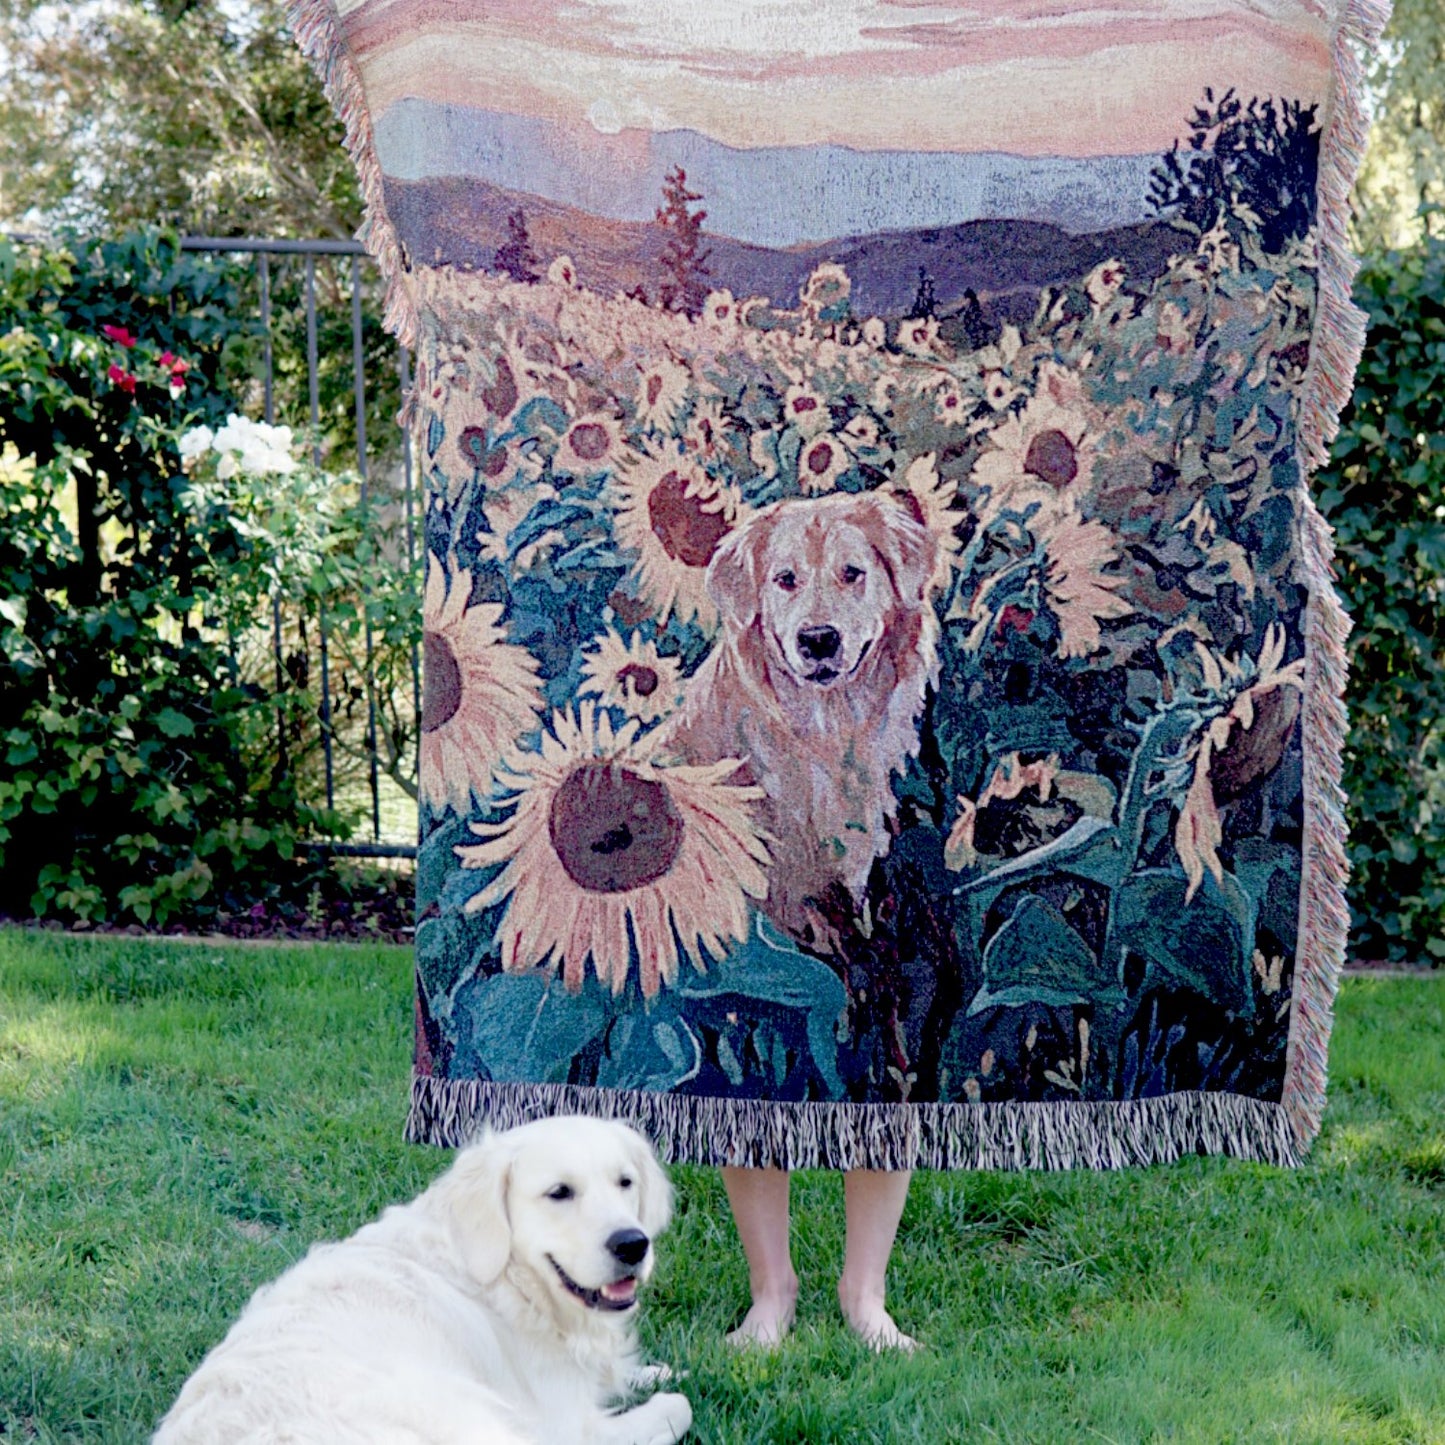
{"type": "Point", "coordinates": [119, 335]}
{"type": "Point", "coordinates": [120, 377]}
{"type": "Point", "coordinates": [176, 366]}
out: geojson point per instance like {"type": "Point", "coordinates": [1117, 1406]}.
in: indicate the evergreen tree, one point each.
{"type": "Point", "coordinates": [515, 256]}
{"type": "Point", "coordinates": [683, 260]}
{"type": "Point", "coordinates": [972, 322]}
{"type": "Point", "coordinates": [924, 302]}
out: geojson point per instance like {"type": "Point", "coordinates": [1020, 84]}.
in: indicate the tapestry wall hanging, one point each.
{"type": "Point", "coordinates": [882, 677]}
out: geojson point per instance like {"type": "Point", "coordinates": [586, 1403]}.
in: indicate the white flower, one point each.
{"type": "Point", "coordinates": [195, 442]}
{"type": "Point", "coordinates": [252, 447]}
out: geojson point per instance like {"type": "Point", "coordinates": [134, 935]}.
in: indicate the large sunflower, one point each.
{"type": "Point", "coordinates": [673, 515]}
{"type": "Point", "coordinates": [481, 692]}
{"type": "Point", "coordinates": [610, 849]}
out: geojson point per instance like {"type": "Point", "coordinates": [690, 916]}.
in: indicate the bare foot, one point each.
{"type": "Point", "coordinates": [872, 1323]}
{"type": "Point", "coordinates": [769, 1319]}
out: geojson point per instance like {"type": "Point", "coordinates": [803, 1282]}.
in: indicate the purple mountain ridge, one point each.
{"type": "Point", "coordinates": [459, 221]}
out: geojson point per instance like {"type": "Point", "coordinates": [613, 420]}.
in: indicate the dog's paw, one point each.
{"type": "Point", "coordinates": [674, 1418]}
{"type": "Point", "coordinates": [662, 1420]}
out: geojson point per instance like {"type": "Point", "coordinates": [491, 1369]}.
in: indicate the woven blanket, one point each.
{"type": "Point", "coordinates": [881, 671]}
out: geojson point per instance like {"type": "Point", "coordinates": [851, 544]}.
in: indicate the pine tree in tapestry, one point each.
{"type": "Point", "coordinates": [683, 259]}
{"type": "Point", "coordinates": [925, 303]}
{"type": "Point", "coordinates": [515, 256]}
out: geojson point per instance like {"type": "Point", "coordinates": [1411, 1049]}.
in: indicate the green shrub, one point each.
{"type": "Point", "coordinates": [139, 767]}
{"type": "Point", "coordinates": [1384, 491]}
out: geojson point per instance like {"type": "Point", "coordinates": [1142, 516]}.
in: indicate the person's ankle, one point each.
{"type": "Point", "coordinates": [781, 1290]}
{"type": "Point", "coordinates": [860, 1301]}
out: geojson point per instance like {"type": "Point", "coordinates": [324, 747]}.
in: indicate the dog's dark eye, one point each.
{"type": "Point", "coordinates": [625, 1182]}
{"type": "Point", "coordinates": [560, 1192]}
{"type": "Point", "coordinates": [852, 574]}
{"type": "Point", "coordinates": [786, 580]}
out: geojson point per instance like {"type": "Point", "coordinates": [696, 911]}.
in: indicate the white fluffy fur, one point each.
{"type": "Point", "coordinates": [822, 748]}
{"type": "Point", "coordinates": [444, 1321]}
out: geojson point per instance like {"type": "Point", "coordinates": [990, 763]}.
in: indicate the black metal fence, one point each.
{"type": "Point", "coordinates": [267, 255]}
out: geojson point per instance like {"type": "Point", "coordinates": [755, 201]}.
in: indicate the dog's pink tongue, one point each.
{"type": "Point", "coordinates": [620, 1289]}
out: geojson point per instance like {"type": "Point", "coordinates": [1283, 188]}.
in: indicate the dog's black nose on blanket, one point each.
{"type": "Point", "coordinates": [818, 644]}
{"type": "Point", "coordinates": [627, 1246]}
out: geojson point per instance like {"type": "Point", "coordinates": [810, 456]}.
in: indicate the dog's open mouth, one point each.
{"type": "Point", "coordinates": [617, 1294]}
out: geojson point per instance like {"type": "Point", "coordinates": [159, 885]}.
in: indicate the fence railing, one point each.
{"type": "Point", "coordinates": [265, 252]}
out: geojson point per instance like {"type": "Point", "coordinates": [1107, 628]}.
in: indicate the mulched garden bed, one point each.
{"type": "Point", "coordinates": [346, 902]}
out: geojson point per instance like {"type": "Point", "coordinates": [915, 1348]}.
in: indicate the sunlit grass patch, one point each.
{"type": "Point", "coordinates": [179, 1122]}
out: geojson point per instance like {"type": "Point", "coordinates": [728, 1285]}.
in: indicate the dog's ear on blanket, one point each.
{"type": "Point", "coordinates": [474, 1196]}
{"type": "Point", "coordinates": [732, 575]}
{"type": "Point", "coordinates": [895, 527]}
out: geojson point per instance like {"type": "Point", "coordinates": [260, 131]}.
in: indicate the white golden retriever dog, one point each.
{"type": "Point", "coordinates": [829, 644]}
{"type": "Point", "coordinates": [495, 1309]}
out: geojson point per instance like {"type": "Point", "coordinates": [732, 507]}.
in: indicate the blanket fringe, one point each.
{"type": "Point", "coordinates": [758, 1133]}
{"type": "Point", "coordinates": [1338, 340]}
{"type": "Point", "coordinates": [316, 28]}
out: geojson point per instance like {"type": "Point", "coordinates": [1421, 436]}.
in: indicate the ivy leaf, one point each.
{"type": "Point", "coordinates": [175, 724]}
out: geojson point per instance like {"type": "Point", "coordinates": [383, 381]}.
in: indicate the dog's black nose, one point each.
{"type": "Point", "coordinates": [818, 644]}
{"type": "Point", "coordinates": [628, 1246]}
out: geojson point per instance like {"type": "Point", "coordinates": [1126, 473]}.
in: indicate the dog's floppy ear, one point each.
{"type": "Point", "coordinates": [733, 580]}
{"type": "Point", "coordinates": [474, 1195]}
{"type": "Point", "coordinates": [654, 1187]}
{"type": "Point", "coordinates": [909, 550]}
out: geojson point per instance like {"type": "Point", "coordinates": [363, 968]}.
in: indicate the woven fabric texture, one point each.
{"type": "Point", "coordinates": [881, 671]}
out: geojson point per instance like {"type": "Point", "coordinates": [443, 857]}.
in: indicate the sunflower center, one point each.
{"type": "Point", "coordinates": [1052, 459]}
{"type": "Point", "coordinates": [688, 534]}
{"type": "Point", "coordinates": [589, 440]}
{"type": "Point", "coordinates": [502, 395]}
{"type": "Point", "coordinates": [612, 830]}
{"type": "Point", "coordinates": [442, 695]}
{"type": "Point", "coordinates": [819, 458]}
{"type": "Point", "coordinates": [641, 679]}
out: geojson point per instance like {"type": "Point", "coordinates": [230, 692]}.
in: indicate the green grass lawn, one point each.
{"type": "Point", "coordinates": [178, 1122]}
